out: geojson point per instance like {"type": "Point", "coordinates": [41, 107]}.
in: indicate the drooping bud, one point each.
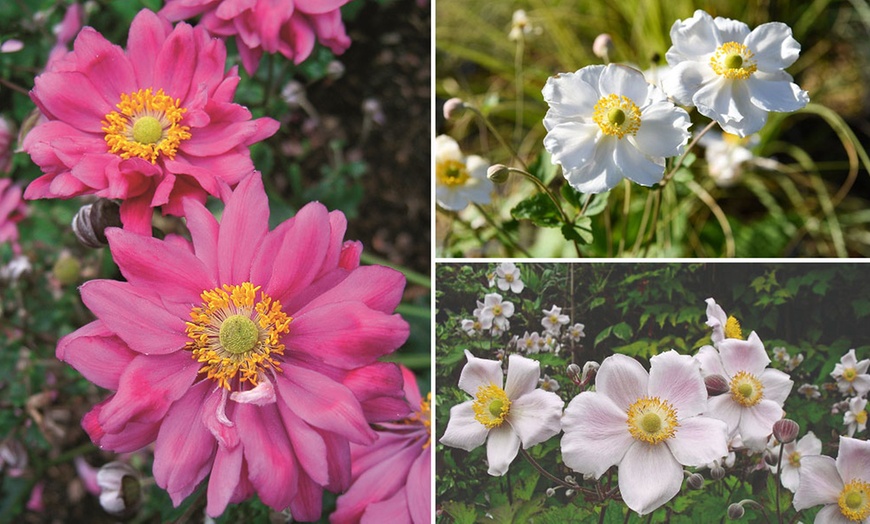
{"type": "Point", "coordinates": [574, 373]}
{"type": "Point", "coordinates": [695, 481]}
{"type": "Point", "coordinates": [121, 493]}
{"type": "Point", "coordinates": [735, 511]}
{"type": "Point", "coordinates": [551, 492]}
{"type": "Point", "coordinates": [786, 430]}
{"type": "Point", "coordinates": [589, 370]}
{"type": "Point", "coordinates": [498, 173]}
{"type": "Point", "coordinates": [569, 492]}
{"type": "Point", "coordinates": [91, 221]}
{"type": "Point", "coordinates": [453, 107]}
{"type": "Point", "coordinates": [717, 472]}
{"type": "Point", "coordinates": [716, 385]}
{"type": "Point", "coordinates": [602, 47]}
{"type": "Point", "coordinates": [770, 459]}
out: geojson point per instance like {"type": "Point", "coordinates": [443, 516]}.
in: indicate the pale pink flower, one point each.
{"type": "Point", "coordinates": [12, 211]}
{"type": "Point", "coordinates": [754, 402]}
{"type": "Point", "coordinates": [504, 414]}
{"type": "Point", "coordinates": [248, 355]}
{"type": "Point", "coordinates": [554, 319]}
{"type": "Point", "coordinates": [650, 425]}
{"type": "Point", "coordinates": [724, 326]}
{"type": "Point", "coordinates": [509, 277]}
{"type": "Point", "coordinates": [495, 312]}
{"type": "Point", "coordinates": [150, 125]}
{"type": "Point", "coordinates": [851, 375]}
{"type": "Point", "coordinates": [471, 327]}
{"type": "Point", "coordinates": [529, 343]}
{"type": "Point", "coordinates": [855, 418]}
{"type": "Point", "coordinates": [792, 457]}
{"type": "Point", "coordinates": [810, 391]}
{"type": "Point", "coordinates": [391, 478]}
{"type": "Point", "coordinates": [289, 27]}
{"type": "Point", "coordinates": [575, 332]}
{"type": "Point", "coordinates": [842, 486]}
{"type": "Point", "coordinates": [7, 138]}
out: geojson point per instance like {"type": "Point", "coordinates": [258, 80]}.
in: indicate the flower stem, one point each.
{"type": "Point", "coordinates": [497, 135]}
{"type": "Point", "coordinates": [518, 82]}
{"type": "Point", "coordinates": [682, 157]}
{"type": "Point", "coordinates": [547, 474]}
{"type": "Point", "coordinates": [778, 472]}
{"type": "Point", "coordinates": [501, 232]}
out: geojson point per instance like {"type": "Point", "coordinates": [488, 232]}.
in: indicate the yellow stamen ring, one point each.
{"type": "Point", "coordinates": [854, 500]}
{"type": "Point", "coordinates": [146, 125]}
{"type": "Point", "coordinates": [849, 374]}
{"type": "Point", "coordinates": [451, 173]}
{"type": "Point", "coordinates": [732, 328]}
{"type": "Point", "coordinates": [616, 115]}
{"type": "Point", "coordinates": [491, 406]}
{"type": "Point", "coordinates": [234, 334]}
{"type": "Point", "coordinates": [746, 389]}
{"type": "Point", "coordinates": [652, 420]}
{"type": "Point", "coordinates": [733, 61]}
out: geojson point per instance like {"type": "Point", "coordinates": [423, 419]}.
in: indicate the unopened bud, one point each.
{"type": "Point", "coordinates": [498, 173]}
{"type": "Point", "coordinates": [569, 492]}
{"type": "Point", "coordinates": [770, 459]}
{"type": "Point", "coordinates": [90, 222]}
{"type": "Point", "coordinates": [735, 511]}
{"type": "Point", "coordinates": [786, 430]}
{"type": "Point", "coordinates": [551, 492]}
{"type": "Point", "coordinates": [589, 370]}
{"type": "Point", "coordinates": [603, 46]}
{"type": "Point", "coordinates": [695, 481]}
{"type": "Point", "coordinates": [716, 385]}
{"type": "Point", "coordinates": [574, 373]}
{"type": "Point", "coordinates": [453, 107]}
{"type": "Point", "coordinates": [121, 491]}
{"type": "Point", "coordinates": [717, 472]}
{"type": "Point", "coordinates": [67, 269]}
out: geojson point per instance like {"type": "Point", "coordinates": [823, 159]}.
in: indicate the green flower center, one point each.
{"type": "Point", "coordinates": [147, 130]}
{"type": "Point", "coordinates": [616, 116]}
{"type": "Point", "coordinates": [495, 407]}
{"type": "Point", "coordinates": [651, 423]}
{"type": "Point", "coordinates": [239, 334]}
{"type": "Point", "coordinates": [734, 61]}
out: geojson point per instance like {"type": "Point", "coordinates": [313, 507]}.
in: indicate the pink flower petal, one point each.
{"type": "Point", "coordinates": [224, 478]}
{"type": "Point", "coordinates": [134, 436]}
{"type": "Point", "coordinates": [596, 434]}
{"type": "Point", "coordinates": [97, 354]}
{"type": "Point", "coordinates": [522, 377]}
{"type": "Point", "coordinates": [378, 388]}
{"type": "Point", "coordinates": [777, 385]}
{"type": "Point", "coordinates": [622, 379]}
{"type": "Point", "coordinates": [479, 372]}
{"type": "Point", "coordinates": [272, 467]}
{"type": "Point", "coordinates": [711, 362]}
{"type": "Point", "coordinates": [418, 488]}
{"type": "Point", "coordinates": [502, 446]}
{"type": "Point", "coordinates": [642, 463]}
{"type": "Point", "coordinates": [394, 509]}
{"type": "Point", "coordinates": [756, 423]}
{"type": "Point", "coordinates": [104, 64]}
{"type": "Point", "coordinates": [243, 226]}
{"type": "Point", "coordinates": [147, 34]}
{"type": "Point", "coordinates": [204, 233]}
{"type": "Point", "coordinates": [699, 441]}
{"type": "Point", "coordinates": [378, 287]}
{"type": "Point", "coordinates": [744, 355]}
{"type": "Point", "coordinates": [677, 379]}
{"type": "Point", "coordinates": [136, 214]}
{"type": "Point", "coordinates": [62, 93]}
{"type": "Point", "coordinates": [308, 445]}
{"type": "Point", "coordinates": [308, 504]}
{"type": "Point", "coordinates": [820, 482]}
{"type": "Point", "coordinates": [216, 417]}
{"type": "Point", "coordinates": [853, 460]}
{"type": "Point", "coordinates": [176, 62]}
{"type": "Point", "coordinates": [463, 430]}
{"type": "Point", "coordinates": [724, 408]}
{"type": "Point", "coordinates": [536, 416]}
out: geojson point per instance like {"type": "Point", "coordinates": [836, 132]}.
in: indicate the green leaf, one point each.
{"type": "Point", "coordinates": [572, 196]}
{"type": "Point", "coordinates": [598, 205]}
{"type": "Point", "coordinates": [603, 335]}
{"type": "Point", "coordinates": [539, 209]}
{"type": "Point", "coordinates": [581, 231]}
{"type": "Point", "coordinates": [623, 331]}
{"type": "Point", "coordinates": [461, 513]}
{"type": "Point", "coordinates": [542, 168]}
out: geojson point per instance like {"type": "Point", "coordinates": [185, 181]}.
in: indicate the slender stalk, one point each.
{"type": "Point", "coordinates": [601, 515]}
{"type": "Point", "coordinates": [682, 157]}
{"type": "Point", "coordinates": [778, 472]}
{"type": "Point", "coordinates": [13, 86]}
{"type": "Point", "coordinates": [501, 232]}
{"type": "Point", "coordinates": [549, 475]}
{"type": "Point", "coordinates": [518, 82]}
{"type": "Point", "coordinates": [497, 135]}
{"type": "Point", "coordinates": [626, 207]}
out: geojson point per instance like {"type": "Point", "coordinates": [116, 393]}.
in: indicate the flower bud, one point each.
{"type": "Point", "coordinates": [770, 459]}
{"type": "Point", "coordinates": [589, 370]}
{"type": "Point", "coordinates": [11, 46]}
{"type": "Point", "coordinates": [569, 492]}
{"type": "Point", "coordinates": [717, 472]}
{"type": "Point", "coordinates": [121, 493]}
{"type": "Point", "coordinates": [695, 481]}
{"type": "Point", "coordinates": [453, 107]}
{"type": "Point", "coordinates": [498, 173]}
{"type": "Point", "coordinates": [735, 511]}
{"type": "Point", "coordinates": [551, 492]}
{"type": "Point", "coordinates": [716, 385]}
{"type": "Point", "coordinates": [91, 221]}
{"type": "Point", "coordinates": [574, 373]}
{"type": "Point", "coordinates": [786, 430]}
{"type": "Point", "coordinates": [602, 47]}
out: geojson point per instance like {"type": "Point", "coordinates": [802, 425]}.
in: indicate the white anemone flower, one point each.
{"type": "Point", "coordinates": [731, 74]}
{"type": "Point", "coordinates": [724, 326]}
{"type": "Point", "coordinates": [529, 343]}
{"type": "Point", "coordinates": [495, 312]}
{"type": "Point", "coordinates": [794, 452]}
{"type": "Point", "coordinates": [842, 486]}
{"type": "Point", "coordinates": [459, 180]}
{"type": "Point", "coordinates": [648, 424]}
{"type": "Point", "coordinates": [503, 417]}
{"type": "Point", "coordinates": [810, 391]}
{"type": "Point", "coordinates": [851, 375]}
{"type": "Point", "coordinates": [756, 393]}
{"type": "Point", "coordinates": [554, 319]}
{"type": "Point", "coordinates": [855, 418]}
{"type": "Point", "coordinates": [472, 327]}
{"type": "Point", "coordinates": [606, 123]}
{"type": "Point", "coordinates": [725, 154]}
{"type": "Point", "coordinates": [509, 277]}
{"type": "Point", "coordinates": [575, 332]}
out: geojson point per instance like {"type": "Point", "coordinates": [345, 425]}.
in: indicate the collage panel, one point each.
{"type": "Point", "coordinates": [674, 129]}
{"type": "Point", "coordinates": [643, 392]}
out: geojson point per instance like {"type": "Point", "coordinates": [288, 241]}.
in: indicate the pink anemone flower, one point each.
{"type": "Point", "coordinates": [151, 125]}
{"type": "Point", "coordinates": [841, 485]}
{"type": "Point", "coordinates": [12, 211]}
{"type": "Point", "coordinates": [391, 478]}
{"type": "Point", "coordinates": [289, 27]}
{"type": "Point", "coordinates": [246, 354]}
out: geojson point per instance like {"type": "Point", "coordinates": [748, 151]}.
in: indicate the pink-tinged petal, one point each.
{"type": "Point", "coordinates": [299, 35]}
{"type": "Point", "coordinates": [418, 488]}
{"type": "Point", "coordinates": [643, 462]}
{"type": "Point", "coordinates": [777, 385]}
{"type": "Point", "coordinates": [820, 482]}
{"type": "Point", "coordinates": [596, 434]}
{"type": "Point", "coordinates": [224, 478]}
{"type": "Point", "coordinates": [244, 224]}
{"type": "Point", "coordinates": [133, 437]}
{"type": "Point", "coordinates": [216, 418]}
{"type": "Point", "coordinates": [64, 94]}
{"type": "Point", "coordinates": [379, 475]}
{"type": "Point", "coordinates": [724, 408]}
{"type": "Point", "coordinates": [743, 355]}
{"type": "Point", "coordinates": [699, 441]}
{"type": "Point", "coordinates": [325, 404]}
{"type": "Point", "coordinates": [522, 377]}
{"type": "Point", "coordinates": [136, 214]}
{"type": "Point", "coordinates": [250, 56]}
{"type": "Point", "coordinates": [230, 167]}
{"type": "Point", "coordinates": [176, 10]}
{"type": "Point", "coordinates": [463, 430]}
{"type": "Point", "coordinates": [711, 362]}
{"type": "Point", "coordinates": [623, 380]}
{"type": "Point", "coordinates": [536, 416]}
{"type": "Point", "coordinates": [230, 127]}
{"type": "Point", "coordinates": [181, 276]}
{"type": "Point", "coordinates": [831, 514]}
{"type": "Point", "coordinates": [261, 395]}
{"type": "Point", "coordinates": [479, 372]}
{"type": "Point", "coordinates": [307, 505]}
{"type": "Point", "coordinates": [105, 64]}
{"type": "Point", "coordinates": [394, 509]}
{"type": "Point", "coordinates": [210, 63]}
{"type": "Point", "coordinates": [502, 446]}
{"type": "Point", "coordinates": [412, 391]}
{"type": "Point", "coordinates": [853, 460]}
{"type": "Point", "coordinates": [307, 443]}
{"type": "Point", "coordinates": [91, 169]}
{"type": "Point", "coordinates": [148, 387]}
{"type": "Point", "coordinates": [315, 7]}
{"type": "Point", "coordinates": [65, 185]}
{"type": "Point", "coordinates": [272, 467]}
{"type": "Point", "coordinates": [204, 233]}
{"type": "Point", "coordinates": [97, 354]}
{"type": "Point", "coordinates": [677, 379]}
{"type": "Point", "coordinates": [351, 251]}
{"type": "Point", "coordinates": [143, 324]}
{"type": "Point", "coordinates": [378, 388]}
{"type": "Point", "coordinates": [339, 461]}
{"type": "Point", "coordinates": [378, 287]}
{"type": "Point", "coordinates": [757, 421]}
{"type": "Point", "coordinates": [184, 451]}
{"type": "Point", "coordinates": [77, 147]}
{"type": "Point", "coordinates": [176, 61]}
{"type": "Point", "coordinates": [790, 476]}
{"type": "Point", "coordinates": [147, 34]}
{"type": "Point", "coordinates": [234, 8]}
{"type": "Point", "coordinates": [348, 333]}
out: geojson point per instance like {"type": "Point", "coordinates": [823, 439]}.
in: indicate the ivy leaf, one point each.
{"type": "Point", "coordinates": [539, 209]}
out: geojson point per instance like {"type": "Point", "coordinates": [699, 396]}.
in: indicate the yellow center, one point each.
{"type": "Point", "coordinates": [496, 310]}
{"type": "Point", "coordinates": [424, 416]}
{"type": "Point", "coordinates": [849, 374]}
{"type": "Point", "coordinates": [746, 390]}
{"type": "Point", "coordinates": [146, 125]}
{"type": "Point", "coordinates": [235, 335]}
{"type": "Point", "coordinates": [854, 500]}
{"type": "Point", "coordinates": [733, 61]}
{"type": "Point", "coordinates": [451, 173]}
{"type": "Point", "coordinates": [491, 406]}
{"type": "Point", "coordinates": [616, 115]}
{"type": "Point", "coordinates": [509, 277]}
{"type": "Point", "coordinates": [861, 417]}
{"type": "Point", "coordinates": [732, 329]}
{"type": "Point", "coordinates": [795, 459]}
{"type": "Point", "coordinates": [652, 420]}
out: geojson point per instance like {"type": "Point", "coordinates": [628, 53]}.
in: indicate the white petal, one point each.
{"type": "Point", "coordinates": [536, 416]}
{"type": "Point", "coordinates": [756, 424]}
{"type": "Point", "coordinates": [624, 81]}
{"type": "Point", "coordinates": [450, 198]}
{"type": "Point", "coordinates": [517, 286]}
{"type": "Point", "coordinates": [809, 445]}
{"type": "Point", "coordinates": [501, 449]}
{"type": "Point", "coordinates": [773, 46]}
{"type": "Point", "coordinates": [477, 167]}
{"type": "Point", "coordinates": [777, 385]}
{"type": "Point", "coordinates": [663, 130]}
{"type": "Point", "coordinates": [699, 441]}
{"type": "Point", "coordinates": [507, 309]}
{"type": "Point", "coordinates": [598, 175]}
{"type": "Point", "coordinates": [463, 430]}
{"type": "Point", "coordinates": [479, 372]}
{"type": "Point", "coordinates": [716, 317]}
{"type": "Point", "coordinates": [861, 384]}
{"type": "Point", "coordinates": [522, 376]}
{"type": "Point", "coordinates": [820, 483]}
{"type": "Point", "coordinates": [596, 434]}
{"type": "Point", "coordinates": [725, 409]}
{"type": "Point", "coordinates": [729, 30]}
{"type": "Point", "coordinates": [685, 79]}
{"type": "Point", "coordinates": [636, 166]}
{"type": "Point", "coordinates": [831, 514]}
{"type": "Point", "coordinates": [753, 117]}
{"type": "Point", "coordinates": [572, 94]}
{"type": "Point", "coordinates": [853, 460]}
{"type": "Point", "coordinates": [677, 379]}
{"type": "Point", "coordinates": [571, 144]}
{"type": "Point", "coordinates": [715, 100]}
{"type": "Point", "coordinates": [776, 96]}
{"type": "Point", "coordinates": [447, 149]}
{"type": "Point", "coordinates": [649, 476]}
{"type": "Point", "coordinates": [692, 38]}
{"type": "Point", "coordinates": [623, 380]}
{"type": "Point", "coordinates": [711, 362]}
{"type": "Point", "coordinates": [744, 355]}
{"type": "Point", "coordinates": [790, 476]}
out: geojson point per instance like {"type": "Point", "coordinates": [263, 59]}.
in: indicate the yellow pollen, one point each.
{"type": "Point", "coordinates": [795, 459]}
{"type": "Point", "coordinates": [234, 334]}
{"type": "Point", "coordinates": [733, 61]}
{"type": "Point", "coordinates": [849, 374]}
{"type": "Point", "coordinates": [616, 115]}
{"type": "Point", "coordinates": [854, 500]}
{"type": "Point", "coordinates": [146, 125]}
{"type": "Point", "coordinates": [509, 277]}
{"type": "Point", "coordinates": [424, 416]}
{"type": "Point", "coordinates": [746, 389]}
{"type": "Point", "coordinates": [861, 417]}
{"type": "Point", "coordinates": [732, 328]}
{"type": "Point", "coordinates": [652, 420]}
{"type": "Point", "coordinates": [451, 173]}
{"type": "Point", "coordinates": [491, 406]}
{"type": "Point", "coordinates": [496, 310]}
